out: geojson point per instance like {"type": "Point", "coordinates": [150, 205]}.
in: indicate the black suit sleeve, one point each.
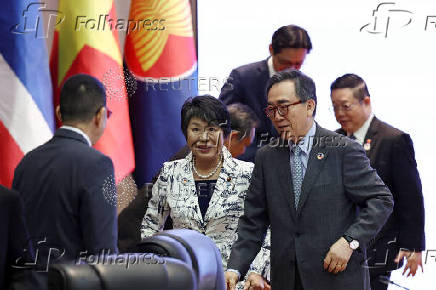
{"type": "Point", "coordinates": [366, 189]}
{"type": "Point", "coordinates": [409, 204]}
{"type": "Point", "coordinates": [252, 225]}
{"type": "Point", "coordinates": [98, 208]}
{"type": "Point", "coordinates": [231, 92]}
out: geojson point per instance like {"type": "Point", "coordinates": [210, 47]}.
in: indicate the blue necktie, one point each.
{"type": "Point", "coordinates": [297, 173]}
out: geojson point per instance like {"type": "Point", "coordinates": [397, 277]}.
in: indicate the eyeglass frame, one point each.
{"type": "Point", "coordinates": [345, 108]}
{"type": "Point", "coordinates": [277, 109]}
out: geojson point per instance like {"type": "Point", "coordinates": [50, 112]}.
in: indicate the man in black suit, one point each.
{"type": "Point", "coordinates": [67, 186]}
{"type": "Point", "coordinates": [246, 84]}
{"type": "Point", "coordinates": [14, 247]}
{"type": "Point", "coordinates": [317, 191]}
{"type": "Point", "coordinates": [391, 154]}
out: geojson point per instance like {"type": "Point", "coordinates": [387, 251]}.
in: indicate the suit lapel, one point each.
{"type": "Point", "coordinates": [284, 176]}
{"type": "Point", "coordinates": [371, 137]}
{"type": "Point", "coordinates": [317, 156]}
{"type": "Point", "coordinates": [187, 179]}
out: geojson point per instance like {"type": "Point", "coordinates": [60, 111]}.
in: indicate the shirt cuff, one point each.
{"type": "Point", "coordinates": [235, 271]}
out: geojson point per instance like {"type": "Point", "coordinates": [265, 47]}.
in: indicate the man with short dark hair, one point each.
{"type": "Point", "coordinates": [316, 190]}
{"type": "Point", "coordinates": [243, 122]}
{"type": "Point", "coordinates": [391, 154]}
{"type": "Point", "coordinates": [246, 84]}
{"type": "Point", "coordinates": [67, 186]}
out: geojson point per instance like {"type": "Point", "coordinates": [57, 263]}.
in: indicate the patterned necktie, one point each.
{"type": "Point", "coordinates": [297, 173]}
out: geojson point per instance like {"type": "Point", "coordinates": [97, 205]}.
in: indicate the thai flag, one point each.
{"type": "Point", "coordinates": [160, 54]}
{"type": "Point", "coordinates": [26, 102]}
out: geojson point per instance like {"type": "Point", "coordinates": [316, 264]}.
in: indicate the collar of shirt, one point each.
{"type": "Point", "coordinates": [271, 69]}
{"type": "Point", "coordinates": [307, 142]}
{"type": "Point", "coordinates": [361, 132]}
{"type": "Point", "coordinates": [78, 131]}
{"type": "Point", "coordinates": [305, 145]}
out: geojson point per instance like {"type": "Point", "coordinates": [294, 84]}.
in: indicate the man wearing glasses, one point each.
{"type": "Point", "coordinates": [391, 154]}
{"type": "Point", "coordinates": [68, 187]}
{"type": "Point", "coordinates": [246, 84]}
{"type": "Point", "coordinates": [323, 201]}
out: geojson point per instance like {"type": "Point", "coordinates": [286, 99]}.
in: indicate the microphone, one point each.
{"type": "Point", "coordinates": [386, 280]}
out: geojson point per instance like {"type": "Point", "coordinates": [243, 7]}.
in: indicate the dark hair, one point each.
{"type": "Point", "coordinates": [242, 119]}
{"type": "Point", "coordinates": [208, 109]}
{"type": "Point", "coordinates": [304, 86]}
{"type": "Point", "coordinates": [81, 97]}
{"type": "Point", "coordinates": [351, 81]}
{"type": "Point", "coordinates": [290, 36]}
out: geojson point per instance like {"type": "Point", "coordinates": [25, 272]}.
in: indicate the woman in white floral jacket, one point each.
{"type": "Point", "coordinates": [205, 191]}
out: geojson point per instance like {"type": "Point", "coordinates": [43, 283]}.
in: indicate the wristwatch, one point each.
{"type": "Point", "coordinates": [354, 244]}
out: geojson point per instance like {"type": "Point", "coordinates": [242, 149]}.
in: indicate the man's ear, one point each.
{"type": "Point", "coordinates": [58, 113]}
{"type": "Point", "coordinates": [98, 119]}
{"type": "Point", "coordinates": [367, 100]}
{"type": "Point", "coordinates": [271, 50]}
{"type": "Point", "coordinates": [231, 137]}
{"type": "Point", "coordinates": [310, 106]}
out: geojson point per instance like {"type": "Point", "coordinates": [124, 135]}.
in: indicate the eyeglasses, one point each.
{"type": "Point", "coordinates": [345, 107]}
{"type": "Point", "coordinates": [270, 111]}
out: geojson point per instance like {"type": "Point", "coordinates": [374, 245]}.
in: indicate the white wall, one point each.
{"type": "Point", "coordinates": [399, 69]}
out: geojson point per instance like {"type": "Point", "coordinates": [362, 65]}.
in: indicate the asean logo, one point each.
{"type": "Point", "coordinates": [162, 45]}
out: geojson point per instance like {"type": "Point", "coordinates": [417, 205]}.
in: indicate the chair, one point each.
{"type": "Point", "coordinates": [195, 249]}
{"type": "Point", "coordinates": [176, 259]}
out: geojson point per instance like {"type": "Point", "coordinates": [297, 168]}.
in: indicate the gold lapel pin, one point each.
{"type": "Point", "coordinates": [320, 155]}
{"type": "Point", "coordinates": [367, 145]}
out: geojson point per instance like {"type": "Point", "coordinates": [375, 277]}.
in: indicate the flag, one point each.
{"type": "Point", "coordinates": [87, 42]}
{"type": "Point", "coordinates": [160, 53]}
{"type": "Point", "coordinates": [26, 104]}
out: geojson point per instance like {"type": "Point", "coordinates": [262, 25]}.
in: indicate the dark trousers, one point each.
{"type": "Point", "coordinates": [375, 274]}
{"type": "Point", "coordinates": [298, 285]}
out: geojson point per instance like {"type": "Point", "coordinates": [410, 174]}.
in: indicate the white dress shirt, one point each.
{"type": "Point", "coordinates": [78, 131]}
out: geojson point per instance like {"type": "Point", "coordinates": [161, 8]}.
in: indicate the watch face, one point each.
{"type": "Point", "coordinates": [354, 244]}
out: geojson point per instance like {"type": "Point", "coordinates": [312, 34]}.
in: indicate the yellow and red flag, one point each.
{"type": "Point", "coordinates": [160, 54]}
{"type": "Point", "coordinates": [87, 42]}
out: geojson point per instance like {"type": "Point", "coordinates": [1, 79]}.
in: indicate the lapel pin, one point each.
{"type": "Point", "coordinates": [320, 155]}
{"type": "Point", "coordinates": [184, 180]}
{"type": "Point", "coordinates": [367, 145]}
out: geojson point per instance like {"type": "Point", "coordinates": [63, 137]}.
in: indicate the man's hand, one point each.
{"type": "Point", "coordinates": [337, 258]}
{"type": "Point", "coordinates": [231, 280]}
{"type": "Point", "coordinates": [256, 282]}
{"type": "Point", "coordinates": [414, 260]}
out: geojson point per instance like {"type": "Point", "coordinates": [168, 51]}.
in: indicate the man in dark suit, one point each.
{"type": "Point", "coordinates": [67, 186]}
{"type": "Point", "coordinates": [317, 191]}
{"type": "Point", "coordinates": [14, 247]}
{"type": "Point", "coordinates": [391, 154]}
{"type": "Point", "coordinates": [246, 84]}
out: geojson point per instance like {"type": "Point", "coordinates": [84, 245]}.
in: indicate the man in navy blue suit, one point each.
{"type": "Point", "coordinates": [67, 186]}
{"type": "Point", "coordinates": [247, 84]}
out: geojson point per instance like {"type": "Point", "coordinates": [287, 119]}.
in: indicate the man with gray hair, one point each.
{"type": "Point", "coordinates": [323, 201]}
